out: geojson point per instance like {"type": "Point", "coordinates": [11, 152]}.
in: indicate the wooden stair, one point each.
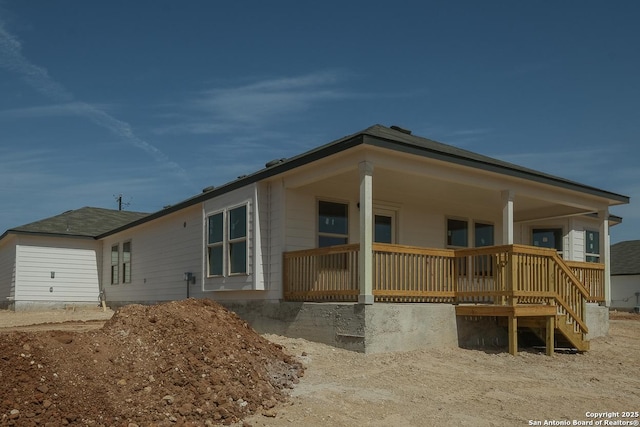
{"type": "Point", "coordinates": [543, 320]}
{"type": "Point", "coordinates": [576, 339]}
{"type": "Point", "coordinates": [567, 334]}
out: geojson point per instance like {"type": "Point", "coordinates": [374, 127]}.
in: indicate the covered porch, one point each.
{"type": "Point", "coordinates": [513, 281]}
{"type": "Point", "coordinates": [401, 220]}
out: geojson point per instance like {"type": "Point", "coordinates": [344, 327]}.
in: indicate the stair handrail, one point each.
{"type": "Point", "coordinates": [557, 261]}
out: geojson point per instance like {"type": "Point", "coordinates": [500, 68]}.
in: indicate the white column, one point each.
{"type": "Point", "coordinates": [507, 217]}
{"type": "Point", "coordinates": [605, 243]}
{"type": "Point", "coordinates": [366, 233]}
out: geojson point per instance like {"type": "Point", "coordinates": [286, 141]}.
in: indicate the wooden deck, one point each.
{"type": "Point", "coordinates": [508, 281]}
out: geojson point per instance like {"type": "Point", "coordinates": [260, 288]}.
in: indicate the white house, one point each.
{"type": "Point", "coordinates": [625, 276]}
{"type": "Point", "coordinates": [377, 216]}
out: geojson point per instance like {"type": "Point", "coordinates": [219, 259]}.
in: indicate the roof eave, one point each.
{"type": "Point", "coordinates": [496, 168]}
{"type": "Point", "coordinates": [287, 165]}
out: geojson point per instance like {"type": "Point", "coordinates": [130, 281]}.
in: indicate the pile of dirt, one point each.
{"type": "Point", "coordinates": [189, 362]}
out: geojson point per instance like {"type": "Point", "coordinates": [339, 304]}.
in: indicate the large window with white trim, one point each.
{"type": "Point", "coordinates": [227, 243]}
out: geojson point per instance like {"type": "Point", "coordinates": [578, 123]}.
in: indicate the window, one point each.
{"type": "Point", "coordinates": [227, 243]}
{"type": "Point", "coordinates": [115, 255]}
{"type": "Point", "coordinates": [483, 234]}
{"type": "Point", "coordinates": [383, 229]}
{"type": "Point", "coordinates": [333, 224]}
{"type": "Point", "coordinates": [457, 233]}
{"type": "Point", "coordinates": [548, 238]}
{"type": "Point", "coordinates": [238, 240]}
{"type": "Point", "coordinates": [215, 244]}
{"type": "Point", "coordinates": [592, 246]}
{"type": "Point", "coordinates": [126, 262]}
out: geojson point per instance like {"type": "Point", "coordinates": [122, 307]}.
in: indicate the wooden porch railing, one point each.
{"type": "Point", "coordinates": [591, 275]}
{"type": "Point", "coordinates": [325, 274]}
{"type": "Point", "coordinates": [503, 275]}
{"type": "Point", "coordinates": [411, 274]}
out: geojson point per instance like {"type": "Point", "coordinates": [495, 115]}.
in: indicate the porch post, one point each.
{"type": "Point", "coordinates": [507, 217]}
{"type": "Point", "coordinates": [365, 260]}
{"type": "Point", "coordinates": [605, 241]}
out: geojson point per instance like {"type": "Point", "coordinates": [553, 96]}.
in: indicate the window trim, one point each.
{"type": "Point", "coordinates": [227, 242]}
{"type": "Point", "coordinates": [392, 213]}
{"type": "Point", "coordinates": [233, 241]}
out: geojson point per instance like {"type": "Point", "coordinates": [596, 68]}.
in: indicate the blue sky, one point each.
{"type": "Point", "coordinates": [158, 99]}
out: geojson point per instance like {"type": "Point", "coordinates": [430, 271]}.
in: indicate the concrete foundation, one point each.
{"type": "Point", "coordinates": [364, 328]}
{"type": "Point", "coordinates": [597, 319]}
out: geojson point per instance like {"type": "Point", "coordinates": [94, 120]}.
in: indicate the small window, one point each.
{"type": "Point", "coordinates": [115, 260]}
{"type": "Point", "coordinates": [457, 233]}
{"type": "Point", "coordinates": [592, 246]}
{"type": "Point", "coordinates": [333, 224]}
{"type": "Point", "coordinates": [126, 262]}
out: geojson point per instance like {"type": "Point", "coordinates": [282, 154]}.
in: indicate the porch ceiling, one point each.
{"type": "Point", "coordinates": [398, 187]}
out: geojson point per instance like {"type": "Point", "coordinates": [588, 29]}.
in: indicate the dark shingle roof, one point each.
{"type": "Point", "coordinates": [625, 258]}
{"type": "Point", "coordinates": [83, 222]}
{"type": "Point", "coordinates": [392, 139]}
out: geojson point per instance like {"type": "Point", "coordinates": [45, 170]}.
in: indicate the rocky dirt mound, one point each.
{"type": "Point", "coordinates": [191, 362]}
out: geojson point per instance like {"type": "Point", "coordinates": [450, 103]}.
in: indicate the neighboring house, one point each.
{"type": "Point", "coordinates": [56, 261]}
{"type": "Point", "coordinates": [625, 276]}
{"type": "Point", "coordinates": [377, 216]}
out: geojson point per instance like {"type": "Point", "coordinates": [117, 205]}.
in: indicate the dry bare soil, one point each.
{"type": "Point", "coordinates": [166, 366]}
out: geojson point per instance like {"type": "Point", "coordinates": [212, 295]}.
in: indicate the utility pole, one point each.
{"type": "Point", "coordinates": [120, 202]}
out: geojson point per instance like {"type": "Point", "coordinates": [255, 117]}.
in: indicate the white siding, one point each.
{"type": "Point", "coordinates": [273, 235]}
{"type": "Point", "coordinates": [418, 224]}
{"type": "Point", "coordinates": [300, 221]}
{"type": "Point", "coordinates": [161, 252]}
{"type": "Point", "coordinates": [7, 270]}
{"type": "Point", "coordinates": [623, 291]}
{"type": "Point", "coordinates": [74, 271]}
{"type": "Point", "coordinates": [579, 237]}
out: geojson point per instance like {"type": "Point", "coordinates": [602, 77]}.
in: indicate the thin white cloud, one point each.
{"type": "Point", "coordinates": [257, 104]}
{"type": "Point", "coordinates": [38, 78]}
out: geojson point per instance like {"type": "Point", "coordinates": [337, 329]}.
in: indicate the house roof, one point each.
{"type": "Point", "coordinates": [84, 222]}
{"type": "Point", "coordinates": [393, 138]}
{"type": "Point", "coordinates": [625, 258]}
